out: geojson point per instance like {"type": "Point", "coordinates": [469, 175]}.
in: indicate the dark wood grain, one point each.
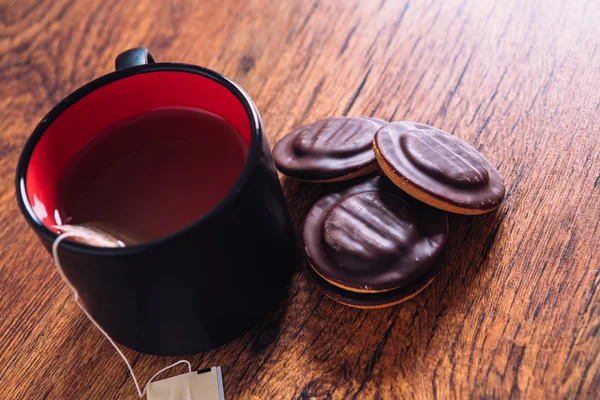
{"type": "Point", "coordinates": [515, 312]}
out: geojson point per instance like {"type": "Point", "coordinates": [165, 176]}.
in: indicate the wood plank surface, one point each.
{"type": "Point", "coordinates": [515, 312]}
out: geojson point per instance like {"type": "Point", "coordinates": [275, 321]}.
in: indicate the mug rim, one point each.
{"type": "Point", "coordinates": [254, 147]}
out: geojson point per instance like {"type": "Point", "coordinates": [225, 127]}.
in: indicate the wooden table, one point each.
{"type": "Point", "coordinates": [515, 311]}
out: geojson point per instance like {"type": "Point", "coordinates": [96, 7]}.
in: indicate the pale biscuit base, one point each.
{"type": "Point", "coordinates": [393, 303]}
{"type": "Point", "coordinates": [349, 288]}
{"type": "Point", "coordinates": [417, 193]}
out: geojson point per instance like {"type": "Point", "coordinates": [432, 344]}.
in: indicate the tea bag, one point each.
{"type": "Point", "coordinates": [98, 234]}
{"type": "Point", "coordinates": [199, 385]}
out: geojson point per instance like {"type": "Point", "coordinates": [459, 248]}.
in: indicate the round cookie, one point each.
{"type": "Point", "coordinates": [329, 150]}
{"type": "Point", "coordinates": [381, 299]}
{"type": "Point", "coordinates": [438, 168]}
{"type": "Point", "coordinates": [371, 237]}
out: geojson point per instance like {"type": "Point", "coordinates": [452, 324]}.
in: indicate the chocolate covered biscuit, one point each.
{"type": "Point", "coordinates": [438, 168]}
{"type": "Point", "coordinates": [372, 237]}
{"type": "Point", "coordinates": [329, 150]}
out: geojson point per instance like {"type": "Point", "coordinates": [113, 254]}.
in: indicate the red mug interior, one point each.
{"type": "Point", "coordinates": [106, 106]}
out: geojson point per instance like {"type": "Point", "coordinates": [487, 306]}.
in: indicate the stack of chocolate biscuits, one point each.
{"type": "Point", "coordinates": [376, 239]}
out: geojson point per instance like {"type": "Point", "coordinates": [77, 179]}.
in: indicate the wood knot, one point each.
{"type": "Point", "coordinates": [247, 64]}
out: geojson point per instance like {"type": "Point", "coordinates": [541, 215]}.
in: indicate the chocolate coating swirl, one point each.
{"type": "Point", "coordinates": [368, 229]}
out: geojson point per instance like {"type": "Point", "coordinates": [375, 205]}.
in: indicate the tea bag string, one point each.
{"type": "Point", "coordinates": [141, 393]}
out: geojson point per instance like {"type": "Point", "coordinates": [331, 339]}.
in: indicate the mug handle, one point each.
{"type": "Point", "coordinates": [132, 57]}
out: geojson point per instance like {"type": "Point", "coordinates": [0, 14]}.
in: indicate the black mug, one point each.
{"type": "Point", "coordinates": [192, 290]}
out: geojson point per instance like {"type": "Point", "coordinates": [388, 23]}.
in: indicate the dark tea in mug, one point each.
{"type": "Point", "coordinates": [152, 174]}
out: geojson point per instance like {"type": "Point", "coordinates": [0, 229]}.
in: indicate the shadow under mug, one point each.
{"type": "Point", "coordinates": [192, 290]}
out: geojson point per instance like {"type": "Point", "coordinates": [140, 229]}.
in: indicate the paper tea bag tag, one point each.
{"type": "Point", "coordinates": [206, 384]}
